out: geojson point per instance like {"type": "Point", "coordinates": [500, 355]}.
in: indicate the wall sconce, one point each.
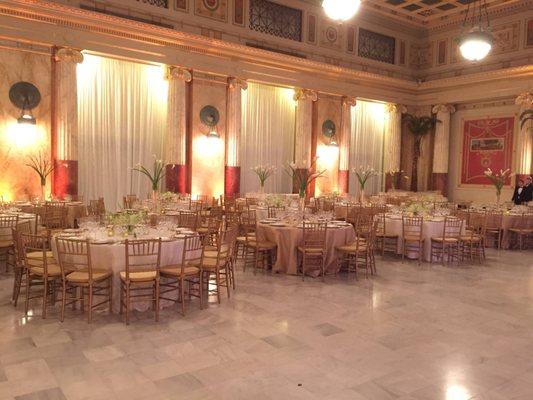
{"type": "Point", "coordinates": [328, 130]}
{"type": "Point", "coordinates": [25, 96]}
{"type": "Point", "coordinates": [209, 116]}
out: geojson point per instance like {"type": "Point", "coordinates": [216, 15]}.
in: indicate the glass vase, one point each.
{"type": "Point", "coordinates": [362, 195]}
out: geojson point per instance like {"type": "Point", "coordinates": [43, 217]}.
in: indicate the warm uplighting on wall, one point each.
{"type": "Point", "coordinates": [457, 392]}
{"type": "Point", "coordinates": [327, 155]}
{"type": "Point", "coordinates": [290, 95]}
{"type": "Point", "coordinates": [25, 136]}
{"type": "Point", "coordinates": [6, 192]}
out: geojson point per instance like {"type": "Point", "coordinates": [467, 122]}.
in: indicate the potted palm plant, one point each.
{"type": "Point", "coordinates": [419, 127]}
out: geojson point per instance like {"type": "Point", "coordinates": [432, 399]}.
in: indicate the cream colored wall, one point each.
{"type": "Point", "coordinates": [19, 141]}
{"type": "Point", "coordinates": [208, 153]}
{"type": "Point", "coordinates": [477, 193]}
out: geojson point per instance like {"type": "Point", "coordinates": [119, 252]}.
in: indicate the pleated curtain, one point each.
{"type": "Point", "coordinates": [367, 142]}
{"type": "Point", "coordinates": [267, 138]}
{"type": "Point", "coordinates": [122, 109]}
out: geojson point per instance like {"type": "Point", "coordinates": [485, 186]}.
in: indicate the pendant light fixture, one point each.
{"type": "Point", "coordinates": [341, 10]}
{"type": "Point", "coordinates": [476, 40]}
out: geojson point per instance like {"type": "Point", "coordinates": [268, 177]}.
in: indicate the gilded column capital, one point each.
{"type": "Point", "coordinates": [68, 54]}
{"type": "Point", "coordinates": [348, 101]}
{"type": "Point", "coordinates": [305, 94]}
{"type": "Point", "coordinates": [525, 99]}
{"type": "Point", "coordinates": [400, 108]}
{"type": "Point", "coordinates": [178, 73]}
{"type": "Point", "coordinates": [237, 83]}
{"type": "Point", "coordinates": [444, 108]}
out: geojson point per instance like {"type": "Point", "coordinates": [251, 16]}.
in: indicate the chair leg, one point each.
{"type": "Point", "coordinates": [45, 296]}
{"type": "Point", "coordinates": [182, 295]}
{"type": "Point", "coordinates": [28, 287]}
{"type": "Point", "coordinates": [110, 294]}
{"type": "Point", "coordinates": [63, 301]}
{"type": "Point", "coordinates": [90, 311]}
{"type": "Point", "coordinates": [156, 300]}
{"type": "Point", "coordinates": [127, 304]}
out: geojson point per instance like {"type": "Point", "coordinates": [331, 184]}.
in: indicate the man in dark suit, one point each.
{"type": "Point", "coordinates": [518, 192]}
{"type": "Point", "coordinates": [528, 191]}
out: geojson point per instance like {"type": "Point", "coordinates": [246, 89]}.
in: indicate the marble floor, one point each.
{"type": "Point", "coordinates": [413, 332]}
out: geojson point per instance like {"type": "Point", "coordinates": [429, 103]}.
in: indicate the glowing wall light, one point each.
{"type": "Point", "coordinates": [25, 136]}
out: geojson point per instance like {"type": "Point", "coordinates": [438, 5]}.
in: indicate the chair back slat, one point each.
{"type": "Point", "coordinates": [314, 234]}
{"type": "Point", "coordinates": [142, 255]}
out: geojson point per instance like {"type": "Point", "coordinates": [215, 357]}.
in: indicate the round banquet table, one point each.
{"type": "Point", "coordinates": [433, 227]}
{"type": "Point", "coordinates": [112, 256]}
{"type": "Point", "coordinates": [288, 238]}
{"type": "Point", "coordinates": [508, 221]}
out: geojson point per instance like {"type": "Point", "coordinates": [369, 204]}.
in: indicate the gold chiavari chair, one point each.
{"type": "Point", "coordinates": [214, 269]}
{"type": "Point", "coordinates": [359, 254]}
{"type": "Point", "coordinates": [189, 220]}
{"type": "Point", "coordinates": [80, 279]}
{"type": "Point", "coordinates": [247, 223]}
{"type": "Point", "coordinates": [494, 228]}
{"type": "Point", "coordinates": [258, 252]}
{"type": "Point", "coordinates": [386, 240]}
{"type": "Point", "coordinates": [449, 243]}
{"type": "Point", "coordinates": [196, 205]}
{"type": "Point", "coordinates": [232, 218]}
{"type": "Point", "coordinates": [313, 248]}
{"type": "Point", "coordinates": [7, 245]}
{"type": "Point", "coordinates": [251, 201]}
{"type": "Point", "coordinates": [97, 207]}
{"type": "Point", "coordinates": [209, 229]}
{"type": "Point", "coordinates": [19, 280]}
{"type": "Point", "coordinates": [473, 241]}
{"type": "Point", "coordinates": [129, 201]}
{"type": "Point", "coordinates": [523, 231]}
{"type": "Point", "coordinates": [55, 217]}
{"type": "Point", "coordinates": [274, 211]}
{"type": "Point", "coordinates": [174, 277]}
{"type": "Point", "coordinates": [140, 280]}
{"type": "Point", "coordinates": [42, 270]}
{"type": "Point", "coordinates": [413, 241]}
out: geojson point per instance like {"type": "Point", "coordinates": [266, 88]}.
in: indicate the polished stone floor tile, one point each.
{"type": "Point", "coordinates": [412, 332]}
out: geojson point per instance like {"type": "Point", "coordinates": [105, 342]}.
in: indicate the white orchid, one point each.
{"type": "Point", "coordinates": [363, 174]}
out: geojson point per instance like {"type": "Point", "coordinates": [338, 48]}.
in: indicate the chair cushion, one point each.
{"type": "Point", "coordinates": [471, 238]}
{"type": "Point", "coordinates": [447, 240]}
{"type": "Point", "coordinates": [141, 276]}
{"type": "Point", "coordinates": [39, 254]}
{"type": "Point", "coordinates": [83, 276]}
{"type": "Point", "coordinates": [523, 231]}
{"type": "Point", "coordinates": [352, 247]}
{"type": "Point", "coordinates": [53, 270]}
{"type": "Point", "coordinates": [5, 243]}
{"type": "Point", "coordinates": [175, 270]}
{"type": "Point", "coordinates": [386, 235]}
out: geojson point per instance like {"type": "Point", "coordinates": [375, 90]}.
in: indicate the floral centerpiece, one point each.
{"type": "Point", "coordinates": [155, 176]}
{"type": "Point", "coordinates": [263, 172]}
{"type": "Point", "coordinates": [275, 200]}
{"type": "Point", "coordinates": [303, 175]}
{"type": "Point", "coordinates": [416, 209]}
{"type": "Point", "coordinates": [363, 174]}
{"type": "Point", "coordinates": [43, 166]}
{"type": "Point", "coordinates": [498, 180]}
{"type": "Point", "coordinates": [396, 174]}
{"type": "Point", "coordinates": [127, 220]}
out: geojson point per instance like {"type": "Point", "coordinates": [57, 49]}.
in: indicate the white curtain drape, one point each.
{"type": "Point", "coordinates": [122, 109]}
{"type": "Point", "coordinates": [267, 138]}
{"type": "Point", "coordinates": [366, 143]}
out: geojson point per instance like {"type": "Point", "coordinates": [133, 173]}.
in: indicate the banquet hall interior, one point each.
{"type": "Point", "coordinates": [267, 199]}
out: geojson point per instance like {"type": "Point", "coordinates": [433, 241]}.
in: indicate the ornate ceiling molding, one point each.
{"type": "Point", "coordinates": [443, 108]}
{"type": "Point", "coordinates": [179, 73]}
{"type": "Point", "coordinates": [67, 54]}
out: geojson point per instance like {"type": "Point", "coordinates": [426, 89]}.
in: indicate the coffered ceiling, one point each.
{"type": "Point", "coordinates": [429, 12]}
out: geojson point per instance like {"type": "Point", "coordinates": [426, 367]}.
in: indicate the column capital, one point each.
{"type": "Point", "coordinates": [525, 99]}
{"type": "Point", "coordinates": [399, 108]}
{"type": "Point", "coordinates": [348, 101]}
{"type": "Point", "coordinates": [68, 54]}
{"type": "Point", "coordinates": [180, 73]}
{"type": "Point", "coordinates": [237, 83]}
{"type": "Point", "coordinates": [444, 108]}
{"type": "Point", "coordinates": [305, 94]}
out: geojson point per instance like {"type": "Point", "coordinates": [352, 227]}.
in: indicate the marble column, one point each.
{"type": "Point", "coordinates": [304, 130]}
{"type": "Point", "coordinates": [441, 148]}
{"type": "Point", "coordinates": [393, 145]}
{"type": "Point", "coordinates": [232, 169]}
{"type": "Point", "coordinates": [176, 140]}
{"type": "Point", "coordinates": [343, 139]}
{"type": "Point", "coordinates": [65, 121]}
{"type": "Point", "coordinates": [524, 153]}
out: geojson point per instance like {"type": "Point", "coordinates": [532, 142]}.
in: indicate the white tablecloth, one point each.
{"type": "Point", "coordinates": [430, 228]}
{"type": "Point", "coordinates": [113, 257]}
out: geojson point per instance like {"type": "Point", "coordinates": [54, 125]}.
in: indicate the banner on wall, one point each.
{"type": "Point", "coordinates": [487, 143]}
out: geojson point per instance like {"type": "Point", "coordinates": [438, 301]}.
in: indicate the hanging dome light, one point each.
{"type": "Point", "coordinates": [341, 10]}
{"type": "Point", "coordinates": [476, 44]}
